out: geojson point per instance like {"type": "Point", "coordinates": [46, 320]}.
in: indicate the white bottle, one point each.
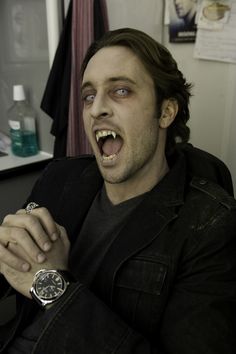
{"type": "Point", "coordinates": [21, 119]}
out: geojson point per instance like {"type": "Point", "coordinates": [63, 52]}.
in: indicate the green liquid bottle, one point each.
{"type": "Point", "coordinates": [21, 119]}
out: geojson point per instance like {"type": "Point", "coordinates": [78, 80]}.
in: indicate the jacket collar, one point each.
{"type": "Point", "coordinates": [79, 192]}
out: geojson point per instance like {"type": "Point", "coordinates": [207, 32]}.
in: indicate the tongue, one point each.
{"type": "Point", "coordinates": [112, 146]}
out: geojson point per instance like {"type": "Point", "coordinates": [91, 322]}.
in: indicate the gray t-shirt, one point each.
{"type": "Point", "coordinates": [101, 227]}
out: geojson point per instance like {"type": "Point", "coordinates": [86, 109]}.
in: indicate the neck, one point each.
{"type": "Point", "coordinates": [141, 183]}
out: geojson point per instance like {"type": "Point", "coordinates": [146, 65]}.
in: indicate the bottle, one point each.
{"type": "Point", "coordinates": [21, 119]}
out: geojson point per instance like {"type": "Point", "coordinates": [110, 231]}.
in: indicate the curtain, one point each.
{"type": "Point", "coordinates": [55, 101]}
{"type": "Point", "coordinates": [86, 21]}
{"type": "Point", "coordinates": [87, 25]}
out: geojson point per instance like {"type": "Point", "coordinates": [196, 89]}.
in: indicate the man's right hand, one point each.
{"type": "Point", "coordinates": [34, 233]}
{"type": "Point", "coordinates": [29, 242]}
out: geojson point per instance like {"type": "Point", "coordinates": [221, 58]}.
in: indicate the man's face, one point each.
{"type": "Point", "coordinates": [183, 7]}
{"type": "Point", "coordinates": [119, 114]}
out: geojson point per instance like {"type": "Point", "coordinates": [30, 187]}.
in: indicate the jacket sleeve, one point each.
{"type": "Point", "coordinates": [201, 313]}
{"type": "Point", "coordinates": [200, 316]}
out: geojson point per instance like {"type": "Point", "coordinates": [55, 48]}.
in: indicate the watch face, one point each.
{"type": "Point", "coordinates": [50, 285]}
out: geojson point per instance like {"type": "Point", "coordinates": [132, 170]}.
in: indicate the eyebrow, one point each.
{"type": "Point", "coordinates": [111, 79]}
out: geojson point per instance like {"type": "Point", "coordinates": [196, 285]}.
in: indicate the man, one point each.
{"type": "Point", "coordinates": [182, 29]}
{"type": "Point", "coordinates": [151, 266]}
{"type": "Point", "coordinates": [186, 10]}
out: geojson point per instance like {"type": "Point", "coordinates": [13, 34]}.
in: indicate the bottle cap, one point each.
{"type": "Point", "coordinates": [18, 93]}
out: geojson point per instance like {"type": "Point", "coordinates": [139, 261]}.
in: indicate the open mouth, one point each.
{"type": "Point", "coordinates": [109, 143]}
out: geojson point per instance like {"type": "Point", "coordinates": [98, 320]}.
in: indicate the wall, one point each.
{"type": "Point", "coordinates": [213, 123]}
{"type": "Point", "coordinates": [24, 59]}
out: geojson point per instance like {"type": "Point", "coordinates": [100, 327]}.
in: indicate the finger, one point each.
{"type": "Point", "coordinates": [26, 249]}
{"type": "Point", "coordinates": [46, 221]}
{"type": "Point", "coordinates": [63, 236]}
{"type": "Point", "coordinates": [32, 225]}
{"type": "Point", "coordinates": [8, 258]}
{"type": "Point", "coordinates": [20, 237]}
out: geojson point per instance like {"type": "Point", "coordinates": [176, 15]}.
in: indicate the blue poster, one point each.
{"type": "Point", "coordinates": [182, 27]}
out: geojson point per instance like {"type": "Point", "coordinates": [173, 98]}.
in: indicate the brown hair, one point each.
{"type": "Point", "coordinates": [168, 80]}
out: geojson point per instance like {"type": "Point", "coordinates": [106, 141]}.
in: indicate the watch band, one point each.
{"type": "Point", "coordinates": [67, 275]}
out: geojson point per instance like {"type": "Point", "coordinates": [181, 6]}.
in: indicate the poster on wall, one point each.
{"type": "Point", "coordinates": [27, 35]}
{"type": "Point", "coordinates": [182, 20]}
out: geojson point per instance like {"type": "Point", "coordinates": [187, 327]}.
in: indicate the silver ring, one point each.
{"type": "Point", "coordinates": [31, 206]}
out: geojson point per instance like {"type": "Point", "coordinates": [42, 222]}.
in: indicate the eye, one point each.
{"type": "Point", "coordinates": [88, 98]}
{"type": "Point", "coordinates": [122, 92]}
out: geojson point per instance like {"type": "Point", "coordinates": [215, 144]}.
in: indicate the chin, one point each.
{"type": "Point", "coordinates": [112, 177]}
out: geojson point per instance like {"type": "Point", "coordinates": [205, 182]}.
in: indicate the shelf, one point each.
{"type": "Point", "coordinates": [11, 164]}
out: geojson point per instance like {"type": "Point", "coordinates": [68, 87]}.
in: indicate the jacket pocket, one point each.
{"type": "Point", "coordinates": [140, 292]}
{"type": "Point", "coordinates": [144, 274]}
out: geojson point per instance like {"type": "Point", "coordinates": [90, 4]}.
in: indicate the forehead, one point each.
{"type": "Point", "coordinates": [116, 61]}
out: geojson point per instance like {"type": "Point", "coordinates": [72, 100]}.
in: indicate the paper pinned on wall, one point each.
{"type": "Point", "coordinates": [213, 14]}
{"type": "Point", "coordinates": [218, 44]}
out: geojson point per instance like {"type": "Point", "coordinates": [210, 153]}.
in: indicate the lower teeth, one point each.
{"type": "Point", "coordinates": [110, 157]}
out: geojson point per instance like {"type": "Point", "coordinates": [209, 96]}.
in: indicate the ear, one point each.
{"type": "Point", "coordinates": [168, 112]}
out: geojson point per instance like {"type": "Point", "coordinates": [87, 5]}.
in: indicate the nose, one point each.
{"type": "Point", "coordinates": [100, 107]}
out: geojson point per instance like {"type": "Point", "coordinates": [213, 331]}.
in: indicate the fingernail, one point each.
{"type": "Point", "coordinates": [41, 257]}
{"type": "Point", "coordinates": [47, 246]}
{"type": "Point", "coordinates": [54, 236]}
{"type": "Point", "coordinates": [25, 267]}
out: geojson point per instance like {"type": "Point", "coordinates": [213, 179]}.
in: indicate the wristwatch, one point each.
{"type": "Point", "coordinates": [49, 285]}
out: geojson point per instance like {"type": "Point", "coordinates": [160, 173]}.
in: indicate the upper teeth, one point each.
{"type": "Point", "coordinates": [104, 133]}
